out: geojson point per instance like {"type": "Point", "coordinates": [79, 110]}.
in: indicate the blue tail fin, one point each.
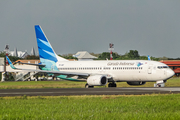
{"type": "Point", "coordinates": [149, 57]}
{"type": "Point", "coordinates": [46, 52]}
{"type": "Point", "coordinates": [44, 47]}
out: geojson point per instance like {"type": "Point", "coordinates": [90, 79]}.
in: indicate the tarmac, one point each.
{"type": "Point", "coordinates": [88, 91]}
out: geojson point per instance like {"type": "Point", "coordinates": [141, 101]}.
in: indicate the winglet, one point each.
{"type": "Point", "coordinates": [149, 57]}
{"type": "Point", "coordinates": [10, 63]}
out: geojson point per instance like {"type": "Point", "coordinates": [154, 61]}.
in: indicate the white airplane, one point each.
{"type": "Point", "coordinates": [99, 72]}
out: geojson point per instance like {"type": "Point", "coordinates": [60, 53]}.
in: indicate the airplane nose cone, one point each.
{"type": "Point", "coordinates": [170, 73]}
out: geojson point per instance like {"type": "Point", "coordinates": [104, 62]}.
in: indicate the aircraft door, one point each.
{"type": "Point", "coordinates": [150, 69]}
{"type": "Point", "coordinates": [101, 69]}
{"type": "Point", "coordinates": [165, 72]}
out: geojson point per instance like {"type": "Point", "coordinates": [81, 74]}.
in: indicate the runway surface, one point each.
{"type": "Point", "coordinates": [87, 91]}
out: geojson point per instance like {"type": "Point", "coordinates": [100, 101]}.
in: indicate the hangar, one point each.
{"type": "Point", "coordinates": [174, 65]}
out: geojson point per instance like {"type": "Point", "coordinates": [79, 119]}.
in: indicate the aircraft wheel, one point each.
{"type": "Point", "coordinates": [112, 85]}
{"type": "Point", "coordinates": [158, 85]}
{"type": "Point", "coordinates": [91, 86]}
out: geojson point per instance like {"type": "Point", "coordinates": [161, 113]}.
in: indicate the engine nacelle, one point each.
{"type": "Point", "coordinates": [97, 80]}
{"type": "Point", "coordinates": [136, 83]}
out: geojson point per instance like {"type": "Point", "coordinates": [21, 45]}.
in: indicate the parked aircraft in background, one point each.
{"type": "Point", "coordinates": [99, 72]}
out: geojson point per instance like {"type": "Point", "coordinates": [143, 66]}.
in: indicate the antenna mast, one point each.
{"type": "Point", "coordinates": [111, 48]}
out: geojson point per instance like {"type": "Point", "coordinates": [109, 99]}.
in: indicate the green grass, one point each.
{"type": "Point", "coordinates": [105, 107]}
{"type": "Point", "coordinates": [173, 82]}
{"type": "Point", "coordinates": [144, 107]}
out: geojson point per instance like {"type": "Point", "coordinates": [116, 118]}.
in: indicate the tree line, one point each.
{"type": "Point", "coordinates": [131, 55]}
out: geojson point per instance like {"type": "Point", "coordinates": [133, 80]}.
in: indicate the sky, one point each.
{"type": "Point", "coordinates": [151, 27]}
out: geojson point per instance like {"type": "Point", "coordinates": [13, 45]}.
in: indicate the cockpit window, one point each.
{"type": "Point", "coordinates": [165, 67]}
{"type": "Point", "coordinates": [162, 67]}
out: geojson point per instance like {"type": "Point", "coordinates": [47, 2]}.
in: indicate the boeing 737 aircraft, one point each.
{"type": "Point", "coordinates": [99, 72]}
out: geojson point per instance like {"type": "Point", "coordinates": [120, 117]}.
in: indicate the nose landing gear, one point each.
{"type": "Point", "coordinates": [159, 84]}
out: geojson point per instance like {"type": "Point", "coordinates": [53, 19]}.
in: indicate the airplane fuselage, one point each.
{"type": "Point", "coordinates": [120, 70]}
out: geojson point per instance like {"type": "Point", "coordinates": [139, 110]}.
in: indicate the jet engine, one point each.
{"type": "Point", "coordinates": [97, 80]}
{"type": "Point", "coordinates": [136, 83]}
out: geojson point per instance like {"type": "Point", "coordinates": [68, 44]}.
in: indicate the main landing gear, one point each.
{"type": "Point", "coordinates": [87, 86]}
{"type": "Point", "coordinates": [113, 84]}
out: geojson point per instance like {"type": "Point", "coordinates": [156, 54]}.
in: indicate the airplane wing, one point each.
{"type": "Point", "coordinates": [56, 73]}
{"type": "Point", "coordinates": [30, 64]}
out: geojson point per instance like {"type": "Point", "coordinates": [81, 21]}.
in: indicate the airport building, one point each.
{"type": "Point", "coordinates": [84, 56]}
{"type": "Point", "coordinates": [19, 54]}
{"type": "Point", "coordinates": [18, 62]}
{"type": "Point", "coordinates": [174, 65]}
{"type": "Point", "coordinates": [16, 53]}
